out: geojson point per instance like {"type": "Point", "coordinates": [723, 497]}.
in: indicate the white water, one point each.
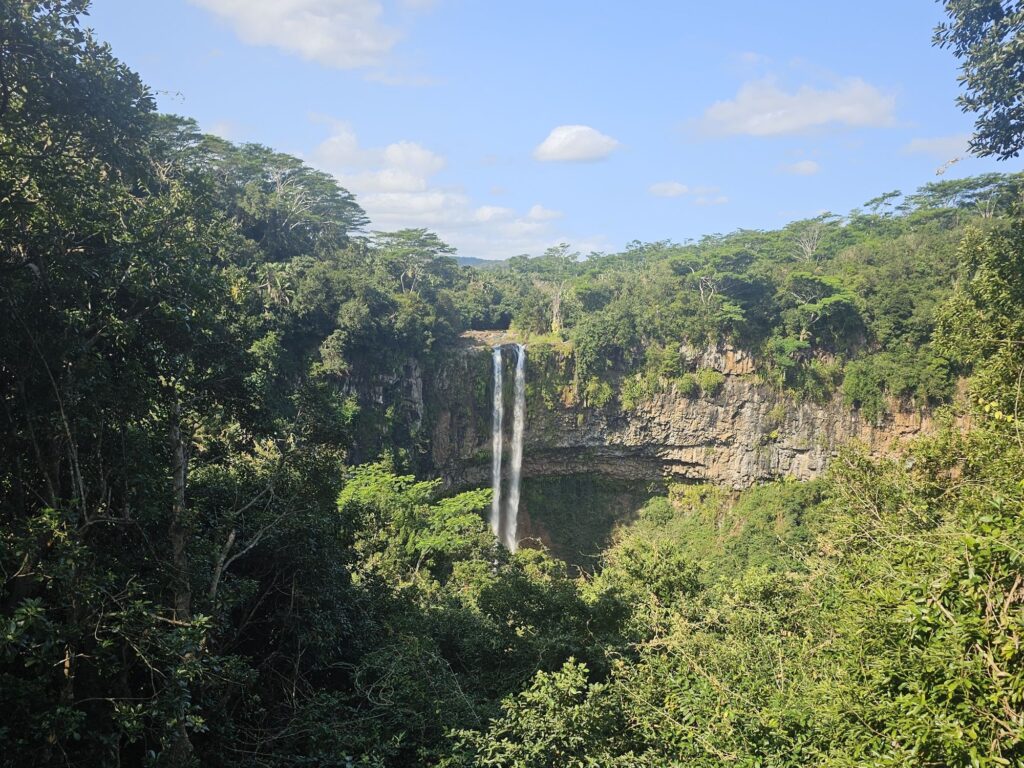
{"type": "Point", "coordinates": [497, 417]}
{"type": "Point", "coordinates": [516, 461]}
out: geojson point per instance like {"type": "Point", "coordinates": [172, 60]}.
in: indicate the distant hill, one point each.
{"type": "Point", "coordinates": [473, 261]}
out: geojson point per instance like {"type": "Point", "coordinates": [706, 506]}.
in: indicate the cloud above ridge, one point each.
{"type": "Point", "coordinates": [696, 195]}
{"type": "Point", "coordinates": [763, 108]}
{"type": "Point", "coordinates": [396, 187]}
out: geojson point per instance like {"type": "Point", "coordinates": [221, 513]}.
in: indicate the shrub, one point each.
{"type": "Point", "coordinates": [635, 389]}
{"type": "Point", "coordinates": [598, 393]}
{"type": "Point", "coordinates": [686, 385]}
{"type": "Point", "coordinates": [864, 388]}
{"type": "Point", "coordinates": [709, 380]}
{"type": "Point", "coordinates": [817, 381]}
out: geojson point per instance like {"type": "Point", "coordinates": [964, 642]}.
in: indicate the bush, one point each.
{"type": "Point", "coordinates": [817, 381]}
{"type": "Point", "coordinates": [635, 389]}
{"type": "Point", "coordinates": [920, 374]}
{"type": "Point", "coordinates": [598, 393]}
{"type": "Point", "coordinates": [864, 388]}
{"type": "Point", "coordinates": [666, 362]}
{"type": "Point", "coordinates": [686, 385]}
{"type": "Point", "coordinates": [709, 380]}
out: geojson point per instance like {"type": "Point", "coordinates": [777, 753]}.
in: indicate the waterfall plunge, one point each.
{"type": "Point", "coordinates": [497, 419]}
{"type": "Point", "coordinates": [505, 525]}
{"type": "Point", "coordinates": [516, 460]}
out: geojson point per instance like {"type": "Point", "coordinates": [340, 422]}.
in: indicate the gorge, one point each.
{"type": "Point", "coordinates": [741, 433]}
{"type": "Point", "coordinates": [283, 487]}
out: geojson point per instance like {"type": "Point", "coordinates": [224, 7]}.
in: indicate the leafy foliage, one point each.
{"type": "Point", "coordinates": [806, 301]}
{"type": "Point", "coordinates": [986, 35]}
{"type": "Point", "coordinates": [215, 548]}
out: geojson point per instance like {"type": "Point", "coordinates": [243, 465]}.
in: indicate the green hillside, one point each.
{"type": "Point", "coordinates": [223, 540]}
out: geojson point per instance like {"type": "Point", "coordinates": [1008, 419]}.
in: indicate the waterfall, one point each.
{"type": "Point", "coordinates": [516, 461]}
{"type": "Point", "coordinates": [504, 521]}
{"type": "Point", "coordinates": [497, 417]}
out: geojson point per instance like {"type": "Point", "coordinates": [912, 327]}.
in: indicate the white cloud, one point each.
{"type": "Point", "coordinates": [341, 148]}
{"type": "Point", "coordinates": [226, 129]}
{"type": "Point", "coordinates": [942, 147]}
{"type": "Point", "coordinates": [430, 208]}
{"type": "Point", "coordinates": [668, 189]}
{"type": "Point", "coordinates": [802, 168]}
{"type": "Point", "coordinates": [539, 213]}
{"type": "Point", "coordinates": [387, 180]}
{"type": "Point", "coordinates": [395, 184]}
{"type": "Point", "coordinates": [762, 108]}
{"type": "Point", "coordinates": [696, 195]}
{"type": "Point", "coordinates": [400, 167]}
{"type": "Point", "coordinates": [346, 34]}
{"type": "Point", "coordinates": [410, 156]}
{"type": "Point", "coordinates": [493, 213]}
{"type": "Point", "coordinates": [575, 143]}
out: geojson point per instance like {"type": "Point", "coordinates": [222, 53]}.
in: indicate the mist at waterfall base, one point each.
{"type": "Point", "coordinates": [504, 519]}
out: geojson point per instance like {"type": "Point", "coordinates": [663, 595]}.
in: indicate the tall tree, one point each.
{"type": "Point", "coordinates": [988, 38]}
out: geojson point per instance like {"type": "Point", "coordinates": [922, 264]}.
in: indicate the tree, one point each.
{"type": "Point", "coordinates": [981, 326]}
{"type": "Point", "coordinates": [883, 202]}
{"type": "Point", "coordinates": [559, 264]}
{"type": "Point", "coordinates": [808, 236]}
{"type": "Point", "coordinates": [414, 258]}
{"type": "Point", "coordinates": [988, 38]}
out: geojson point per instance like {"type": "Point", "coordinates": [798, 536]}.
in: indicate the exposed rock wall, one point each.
{"type": "Point", "coordinates": [743, 434]}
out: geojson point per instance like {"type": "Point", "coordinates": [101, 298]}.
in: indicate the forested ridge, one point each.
{"type": "Point", "coordinates": [221, 542]}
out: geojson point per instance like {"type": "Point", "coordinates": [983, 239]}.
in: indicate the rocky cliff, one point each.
{"type": "Point", "coordinates": [742, 433]}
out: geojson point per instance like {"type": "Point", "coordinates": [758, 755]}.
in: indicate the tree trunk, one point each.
{"type": "Point", "coordinates": [556, 311]}
{"type": "Point", "coordinates": [179, 753]}
{"type": "Point", "coordinates": [179, 526]}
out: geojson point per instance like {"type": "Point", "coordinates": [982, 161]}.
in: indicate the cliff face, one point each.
{"type": "Point", "coordinates": [742, 434]}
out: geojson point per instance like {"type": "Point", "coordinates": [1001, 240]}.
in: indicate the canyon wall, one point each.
{"type": "Point", "coordinates": [743, 433]}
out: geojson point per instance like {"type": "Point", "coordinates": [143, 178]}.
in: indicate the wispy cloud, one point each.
{"type": "Point", "coordinates": [342, 34]}
{"type": "Point", "coordinates": [226, 129]}
{"type": "Point", "coordinates": [539, 213]}
{"type": "Point", "coordinates": [696, 195]}
{"type": "Point", "coordinates": [668, 189]}
{"type": "Point", "coordinates": [802, 168]}
{"type": "Point", "coordinates": [941, 147]}
{"type": "Point", "coordinates": [493, 213]}
{"type": "Point", "coordinates": [763, 108]}
{"type": "Point", "coordinates": [575, 143]}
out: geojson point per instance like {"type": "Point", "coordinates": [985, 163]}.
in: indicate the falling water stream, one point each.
{"type": "Point", "coordinates": [505, 522]}
{"type": "Point", "coordinates": [497, 419]}
{"type": "Point", "coordinates": [516, 459]}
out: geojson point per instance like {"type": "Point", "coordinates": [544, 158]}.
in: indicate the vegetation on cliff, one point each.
{"type": "Point", "coordinates": [213, 551]}
{"type": "Point", "coordinates": [855, 293]}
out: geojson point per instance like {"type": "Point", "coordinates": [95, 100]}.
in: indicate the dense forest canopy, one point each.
{"type": "Point", "coordinates": [221, 545]}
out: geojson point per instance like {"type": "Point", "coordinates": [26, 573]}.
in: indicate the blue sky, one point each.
{"type": "Point", "coordinates": [510, 127]}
